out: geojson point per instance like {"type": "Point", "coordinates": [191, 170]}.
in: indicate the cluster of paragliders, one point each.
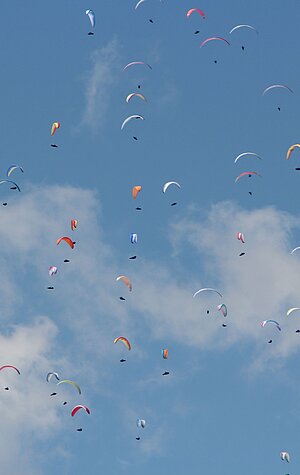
{"type": "Point", "coordinates": [49, 378]}
{"type": "Point", "coordinates": [133, 98]}
{"type": "Point", "coordinates": [78, 407]}
{"type": "Point", "coordinates": [200, 14]}
{"type": "Point", "coordinates": [53, 269]}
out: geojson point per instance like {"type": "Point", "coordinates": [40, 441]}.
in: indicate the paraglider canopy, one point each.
{"type": "Point", "coordinates": [67, 240]}
{"type": "Point", "coordinates": [124, 340]}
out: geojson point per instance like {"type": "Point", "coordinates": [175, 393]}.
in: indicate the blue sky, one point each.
{"type": "Point", "coordinates": [230, 403]}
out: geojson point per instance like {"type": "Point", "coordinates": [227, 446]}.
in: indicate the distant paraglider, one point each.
{"type": "Point", "coordinates": [123, 340]}
{"type": "Point", "coordinates": [291, 149]}
{"type": "Point", "coordinates": [15, 186]}
{"type": "Point", "coordinates": [206, 289]}
{"type": "Point", "coordinates": [74, 224]}
{"type": "Point", "coordinates": [240, 237]}
{"type": "Point", "coordinates": [55, 126]}
{"type": "Point", "coordinates": [168, 184]}
{"type": "Point", "coordinates": [245, 174]}
{"type": "Point", "coordinates": [276, 86]}
{"type": "Point", "coordinates": [192, 10]}
{"type": "Point", "coordinates": [126, 281]}
{"type": "Point", "coordinates": [139, 3]}
{"type": "Point", "coordinates": [92, 18]}
{"type": "Point", "coordinates": [135, 94]}
{"type": "Point", "coordinates": [72, 383]}
{"type": "Point", "coordinates": [135, 63]}
{"type": "Point", "coordinates": [223, 309]}
{"type": "Point", "coordinates": [135, 191]}
{"type": "Point", "coordinates": [291, 310]}
{"type": "Point", "coordinates": [12, 168]}
{"type": "Point", "coordinates": [51, 375]}
{"type": "Point", "coordinates": [52, 270]}
{"type": "Point", "coordinates": [67, 240]}
{"type": "Point", "coordinates": [141, 423]}
{"type": "Point", "coordinates": [214, 38]}
{"type": "Point", "coordinates": [10, 366]}
{"type": "Point", "coordinates": [246, 154]}
{"type": "Point", "coordinates": [135, 116]}
{"type": "Point", "coordinates": [285, 456]}
{"type": "Point", "coordinates": [237, 27]}
{"type": "Point", "coordinates": [78, 408]}
{"type": "Point", "coordinates": [272, 322]}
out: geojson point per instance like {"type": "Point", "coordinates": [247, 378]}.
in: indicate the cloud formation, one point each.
{"type": "Point", "coordinates": [99, 85]}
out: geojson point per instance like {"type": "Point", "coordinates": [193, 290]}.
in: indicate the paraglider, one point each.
{"type": "Point", "coordinates": [169, 183]}
{"type": "Point", "coordinates": [214, 38]}
{"type": "Point", "coordinates": [16, 187]}
{"type": "Point", "coordinates": [165, 373]}
{"type": "Point", "coordinates": [272, 322]}
{"type": "Point", "coordinates": [126, 281]}
{"type": "Point", "coordinates": [78, 407]}
{"type": "Point", "coordinates": [51, 375]}
{"type": "Point", "coordinates": [135, 94]}
{"type": "Point", "coordinates": [72, 383]}
{"type": "Point", "coordinates": [141, 423]}
{"type": "Point", "coordinates": [296, 249]}
{"type": "Point", "coordinates": [285, 456]}
{"type": "Point", "coordinates": [135, 191]}
{"type": "Point", "coordinates": [192, 10]}
{"type": "Point", "coordinates": [240, 237]}
{"type": "Point", "coordinates": [133, 238]}
{"type": "Point", "coordinates": [52, 270]}
{"type": "Point", "coordinates": [67, 240]}
{"type": "Point", "coordinates": [123, 340]}
{"type": "Point", "coordinates": [9, 366]}
{"type": "Point", "coordinates": [291, 149]}
{"type": "Point", "coordinates": [12, 168]}
{"type": "Point", "coordinates": [244, 174]}
{"type": "Point", "coordinates": [165, 353]}
{"type": "Point", "coordinates": [135, 116]}
{"type": "Point", "coordinates": [206, 289]}
{"type": "Point", "coordinates": [223, 309]}
{"type": "Point", "coordinates": [134, 63]}
{"type": "Point", "coordinates": [245, 154]}
{"type": "Point", "coordinates": [55, 126]}
{"type": "Point", "coordinates": [291, 310]}
{"type": "Point", "coordinates": [276, 86]}
{"type": "Point", "coordinates": [237, 27]}
{"type": "Point", "coordinates": [74, 224]}
{"type": "Point", "coordinates": [138, 4]}
{"type": "Point", "coordinates": [92, 18]}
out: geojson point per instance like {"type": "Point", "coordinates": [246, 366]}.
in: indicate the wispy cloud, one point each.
{"type": "Point", "coordinates": [102, 77]}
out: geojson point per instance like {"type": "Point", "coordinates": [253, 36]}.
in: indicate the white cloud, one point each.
{"type": "Point", "coordinates": [26, 412]}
